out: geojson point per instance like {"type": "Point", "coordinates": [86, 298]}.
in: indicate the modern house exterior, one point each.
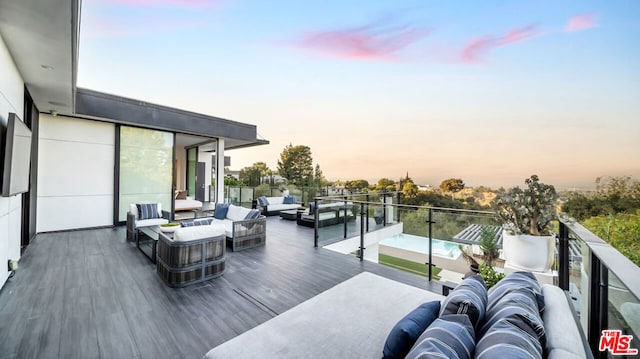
{"type": "Point", "coordinates": [93, 153]}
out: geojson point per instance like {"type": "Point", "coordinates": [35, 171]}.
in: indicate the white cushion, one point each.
{"type": "Point", "coordinates": [563, 335]}
{"type": "Point", "coordinates": [281, 207]}
{"type": "Point", "coordinates": [237, 213]}
{"type": "Point", "coordinates": [150, 222]}
{"type": "Point", "coordinates": [184, 234]}
{"type": "Point", "coordinates": [227, 224]}
{"type": "Point", "coordinates": [275, 200]}
{"type": "Point", "coordinates": [133, 209]}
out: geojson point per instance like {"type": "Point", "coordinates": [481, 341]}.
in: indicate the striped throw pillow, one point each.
{"type": "Point", "coordinates": [450, 336]}
{"type": "Point", "coordinates": [470, 298]}
{"type": "Point", "coordinates": [513, 314]}
{"type": "Point", "coordinates": [510, 337]}
{"type": "Point", "coordinates": [147, 210]}
{"type": "Point", "coordinates": [253, 214]}
{"type": "Point", "coordinates": [197, 222]}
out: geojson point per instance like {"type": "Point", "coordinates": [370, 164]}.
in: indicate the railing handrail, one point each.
{"type": "Point", "coordinates": [621, 266]}
{"type": "Point", "coordinates": [341, 199]}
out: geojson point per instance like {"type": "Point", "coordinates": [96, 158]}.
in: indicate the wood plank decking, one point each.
{"type": "Point", "coordinates": [90, 294]}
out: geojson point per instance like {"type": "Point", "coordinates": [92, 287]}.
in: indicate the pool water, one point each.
{"type": "Point", "coordinates": [421, 244]}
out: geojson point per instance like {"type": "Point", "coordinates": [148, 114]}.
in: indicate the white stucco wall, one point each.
{"type": "Point", "coordinates": [75, 173]}
{"type": "Point", "coordinates": [11, 100]}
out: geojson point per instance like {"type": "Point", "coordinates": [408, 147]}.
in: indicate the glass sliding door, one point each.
{"type": "Point", "coordinates": [192, 160]}
{"type": "Point", "coordinates": [146, 168]}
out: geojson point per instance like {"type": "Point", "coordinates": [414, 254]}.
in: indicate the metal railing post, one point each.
{"type": "Point", "coordinates": [430, 233]}
{"type": "Point", "coordinates": [345, 217]}
{"type": "Point", "coordinates": [398, 208]}
{"type": "Point", "coordinates": [361, 233]}
{"type": "Point", "coordinates": [384, 210]}
{"type": "Point", "coordinates": [563, 257]}
{"type": "Point", "coordinates": [315, 223]}
{"type": "Point", "coordinates": [367, 212]}
{"type": "Point", "coordinates": [598, 311]}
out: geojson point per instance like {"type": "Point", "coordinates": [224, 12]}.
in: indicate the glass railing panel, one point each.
{"type": "Point", "coordinates": [233, 195]}
{"type": "Point", "coordinates": [579, 267]}
{"type": "Point", "coordinates": [246, 196]}
{"type": "Point", "coordinates": [623, 313]}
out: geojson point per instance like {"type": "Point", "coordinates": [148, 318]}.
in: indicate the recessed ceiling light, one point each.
{"type": "Point", "coordinates": [55, 103]}
{"type": "Point", "coordinates": [47, 67]}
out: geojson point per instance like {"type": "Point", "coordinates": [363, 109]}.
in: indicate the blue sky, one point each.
{"type": "Point", "coordinates": [487, 91]}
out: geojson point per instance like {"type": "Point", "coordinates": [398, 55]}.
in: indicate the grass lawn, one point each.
{"type": "Point", "coordinates": [408, 266]}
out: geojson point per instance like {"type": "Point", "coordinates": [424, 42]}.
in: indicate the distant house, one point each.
{"type": "Point", "coordinates": [93, 153]}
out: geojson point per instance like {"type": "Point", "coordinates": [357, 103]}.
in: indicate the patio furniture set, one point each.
{"type": "Point", "coordinates": [195, 250]}
{"type": "Point", "coordinates": [289, 208]}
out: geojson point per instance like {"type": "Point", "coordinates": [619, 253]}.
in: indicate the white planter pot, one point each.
{"type": "Point", "coordinates": [527, 252]}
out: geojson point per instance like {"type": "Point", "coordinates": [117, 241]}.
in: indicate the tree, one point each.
{"type": "Point", "coordinates": [318, 177]}
{"type": "Point", "coordinates": [386, 184]}
{"type": "Point", "coordinates": [253, 175]}
{"type": "Point", "coordinates": [356, 185]}
{"type": "Point", "coordinates": [408, 187]}
{"type": "Point", "coordinates": [296, 165]}
{"type": "Point", "coordinates": [452, 185]}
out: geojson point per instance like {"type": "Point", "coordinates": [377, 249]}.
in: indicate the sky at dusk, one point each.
{"type": "Point", "coordinates": [487, 91]}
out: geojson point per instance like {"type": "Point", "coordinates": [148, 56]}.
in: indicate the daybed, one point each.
{"type": "Point", "coordinates": [363, 317]}
{"type": "Point", "coordinates": [244, 228]}
{"type": "Point", "coordinates": [187, 204]}
{"type": "Point", "coordinates": [271, 206]}
{"type": "Point", "coordinates": [148, 217]}
{"type": "Point", "coordinates": [184, 203]}
{"type": "Point", "coordinates": [328, 214]}
{"type": "Point", "coordinates": [191, 255]}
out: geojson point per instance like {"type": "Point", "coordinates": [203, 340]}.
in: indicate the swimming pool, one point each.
{"type": "Point", "coordinates": [419, 244]}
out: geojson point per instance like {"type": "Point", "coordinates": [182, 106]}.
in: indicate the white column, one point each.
{"type": "Point", "coordinates": [220, 171]}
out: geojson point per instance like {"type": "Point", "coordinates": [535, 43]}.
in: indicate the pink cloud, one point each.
{"type": "Point", "coordinates": [366, 42]}
{"type": "Point", "coordinates": [581, 22]}
{"type": "Point", "coordinates": [477, 47]}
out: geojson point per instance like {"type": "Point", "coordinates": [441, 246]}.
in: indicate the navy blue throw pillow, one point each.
{"type": "Point", "coordinates": [405, 333]}
{"type": "Point", "coordinates": [288, 200]}
{"type": "Point", "coordinates": [262, 201]}
{"type": "Point", "coordinates": [221, 211]}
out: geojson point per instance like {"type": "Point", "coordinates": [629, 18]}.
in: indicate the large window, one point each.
{"type": "Point", "coordinates": [146, 168]}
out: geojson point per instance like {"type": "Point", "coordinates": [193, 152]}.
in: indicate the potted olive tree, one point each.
{"type": "Point", "coordinates": [527, 215]}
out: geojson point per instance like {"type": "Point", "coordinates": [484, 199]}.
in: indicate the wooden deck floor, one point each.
{"type": "Point", "coordinates": [90, 294]}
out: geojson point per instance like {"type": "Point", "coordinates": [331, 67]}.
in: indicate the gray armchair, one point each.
{"type": "Point", "coordinates": [134, 220]}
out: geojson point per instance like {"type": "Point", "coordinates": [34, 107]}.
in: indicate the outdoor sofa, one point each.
{"type": "Point", "coordinates": [328, 214]}
{"type": "Point", "coordinates": [271, 206]}
{"type": "Point", "coordinates": [244, 228]}
{"type": "Point", "coordinates": [144, 215]}
{"type": "Point", "coordinates": [369, 316]}
{"type": "Point", "coordinates": [191, 255]}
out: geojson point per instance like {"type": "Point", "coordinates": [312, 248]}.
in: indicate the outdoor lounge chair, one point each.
{"type": "Point", "coordinates": [135, 219]}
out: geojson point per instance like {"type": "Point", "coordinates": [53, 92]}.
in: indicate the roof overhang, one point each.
{"type": "Point", "coordinates": [42, 37]}
{"type": "Point", "coordinates": [112, 108]}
